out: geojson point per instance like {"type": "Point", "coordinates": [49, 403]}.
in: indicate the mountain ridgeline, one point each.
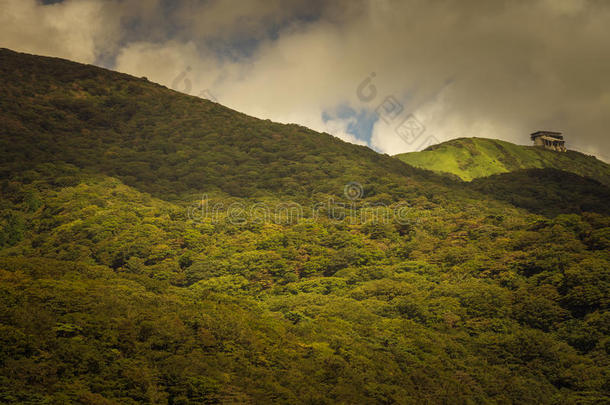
{"type": "Point", "coordinates": [167, 143]}
{"type": "Point", "coordinates": [471, 158]}
{"type": "Point", "coordinates": [393, 284]}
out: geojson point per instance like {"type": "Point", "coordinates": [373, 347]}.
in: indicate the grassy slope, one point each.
{"type": "Point", "coordinates": [471, 158]}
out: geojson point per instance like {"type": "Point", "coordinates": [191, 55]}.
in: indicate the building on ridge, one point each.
{"type": "Point", "coordinates": [549, 140]}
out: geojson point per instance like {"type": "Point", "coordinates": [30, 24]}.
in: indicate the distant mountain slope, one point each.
{"type": "Point", "coordinates": [471, 158]}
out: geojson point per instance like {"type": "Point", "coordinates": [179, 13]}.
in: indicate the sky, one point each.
{"type": "Point", "coordinates": [393, 75]}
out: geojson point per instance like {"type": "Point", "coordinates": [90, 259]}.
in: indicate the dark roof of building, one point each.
{"type": "Point", "coordinates": [556, 135]}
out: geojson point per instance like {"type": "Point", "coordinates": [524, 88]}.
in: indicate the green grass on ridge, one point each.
{"type": "Point", "coordinates": [471, 158]}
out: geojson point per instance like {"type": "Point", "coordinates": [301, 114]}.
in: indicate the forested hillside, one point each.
{"type": "Point", "coordinates": [391, 284]}
{"type": "Point", "coordinates": [166, 143]}
{"type": "Point", "coordinates": [549, 192]}
{"type": "Point", "coordinates": [471, 158]}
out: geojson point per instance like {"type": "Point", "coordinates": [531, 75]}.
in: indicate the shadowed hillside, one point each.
{"type": "Point", "coordinates": [167, 143]}
{"type": "Point", "coordinates": [548, 192]}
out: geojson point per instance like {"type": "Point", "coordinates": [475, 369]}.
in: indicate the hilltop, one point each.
{"type": "Point", "coordinates": [394, 284]}
{"type": "Point", "coordinates": [471, 158]}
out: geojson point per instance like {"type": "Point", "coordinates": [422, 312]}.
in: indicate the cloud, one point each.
{"type": "Point", "coordinates": [76, 30]}
{"type": "Point", "coordinates": [460, 67]}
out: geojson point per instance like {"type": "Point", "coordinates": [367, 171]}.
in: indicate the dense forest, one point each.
{"type": "Point", "coordinates": [393, 284]}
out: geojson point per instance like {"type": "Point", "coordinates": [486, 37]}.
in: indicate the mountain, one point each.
{"type": "Point", "coordinates": [160, 248]}
{"type": "Point", "coordinates": [167, 143]}
{"type": "Point", "coordinates": [471, 158]}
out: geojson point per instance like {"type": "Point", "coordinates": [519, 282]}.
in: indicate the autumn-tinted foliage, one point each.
{"type": "Point", "coordinates": [113, 292]}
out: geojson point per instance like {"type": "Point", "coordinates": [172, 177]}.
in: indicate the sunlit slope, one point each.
{"type": "Point", "coordinates": [471, 158]}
